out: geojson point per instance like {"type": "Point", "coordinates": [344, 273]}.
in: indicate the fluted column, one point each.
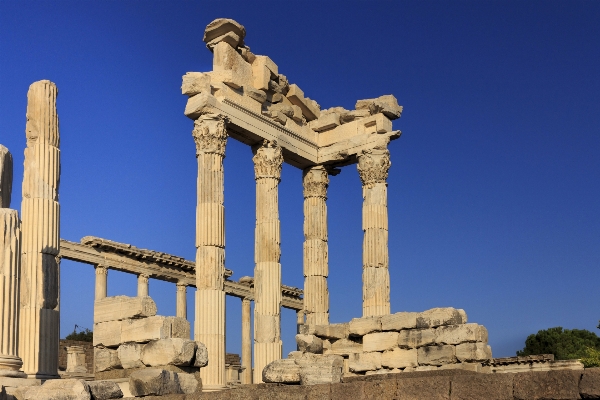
{"type": "Point", "coordinates": [210, 135]}
{"type": "Point", "coordinates": [39, 332]}
{"type": "Point", "coordinates": [316, 259]}
{"type": "Point", "coordinates": [373, 167]}
{"type": "Point", "coordinates": [101, 282]}
{"type": "Point", "coordinates": [268, 160]}
{"type": "Point", "coordinates": [246, 344]}
{"type": "Point", "coordinates": [6, 177]}
{"type": "Point", "coordinates": [181, 301]}
{"type": "Point", "coordinates": [142, 287]}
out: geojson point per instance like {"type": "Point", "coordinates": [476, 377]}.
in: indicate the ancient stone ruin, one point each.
{"type": "Point", "coordinates": [409, 355]}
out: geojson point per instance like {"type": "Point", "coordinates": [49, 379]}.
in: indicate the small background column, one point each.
{"type": "Point", "coordinates": [246, 343]}
{"type": "Point", "coordinates": [181, 304]}
{"type": "Point", "coordinates": [101, 282]}
{"type": "Point", "coordinates": [373, 167]}
{"type": "Point", "coordinates": [143, 285]}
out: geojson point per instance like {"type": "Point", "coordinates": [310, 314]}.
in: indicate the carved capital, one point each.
{"type": "Point", "coordinates": [268, 160]}
{"type": "Point", "coordinates": [210, 134]}
{"type": "Point", "coordinates": [143, 278]}
{"type": "Point", "coordinates": [101, 270]}
{"type": "Point", "coordinates": [181, 287]}
{"type": "Point", "coordinates": [373, 166]}
{"type": "Point", "coordinates": [315, 181]}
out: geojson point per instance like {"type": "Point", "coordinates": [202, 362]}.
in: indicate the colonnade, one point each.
{"type": "Point", "coordinates": [210, 135]}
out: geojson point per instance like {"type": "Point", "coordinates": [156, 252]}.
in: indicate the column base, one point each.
{"type": "Point", "coordinates": [214, 388]}
{"type": "Point", "coordinates": [43, 377]}
{"type": "Point", "coordinates": [7, 373]}
{"type": "Point", "coordinates": [11, 366]}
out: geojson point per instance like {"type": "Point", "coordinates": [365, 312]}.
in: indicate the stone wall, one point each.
{"type": "Point", "coordinates": [89, 354]}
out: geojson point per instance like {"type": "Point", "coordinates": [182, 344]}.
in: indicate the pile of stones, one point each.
{"type": "Point", "coordinates": [71, 389]}
{"type": "Point", "coordinates": [439, 338]}
{"type": "Point", "coordinates": [131, 341]}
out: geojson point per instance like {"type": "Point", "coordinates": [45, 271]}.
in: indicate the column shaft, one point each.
{"type": "Point", "coordinates": [39, 332]}
{"type": "Point", "coordinates": [373, 167]}
{"type": "Point", "coordinates": [142, 288]}
{"type": "Point", "coordinates": [246, 344]}
{"type": "Point", "coordinates": [10, 268]}
{"type": "Point", "coordinates": [268, 160]}
{"type": "Point", "coordinates": [181, 301]}
{"type": "Point", "coordinates": [210, 136]}
{"type": "Point", "coordinates": [316, 258]}
{"type": "Point", "coordinates": [101, 282]}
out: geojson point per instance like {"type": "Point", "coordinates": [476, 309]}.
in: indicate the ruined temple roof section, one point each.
{"type": "Point", "coordinates": [136, 253]}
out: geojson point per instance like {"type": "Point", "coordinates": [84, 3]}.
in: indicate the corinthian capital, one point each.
{"type": "Point", "coordinates": [210, 134]}
{"type": "Point", "coordinates": [373, 166]}
{"type": "Point", "coordinates": [268, 160]}
{"type": "Point", "coordinates": [315, 182]}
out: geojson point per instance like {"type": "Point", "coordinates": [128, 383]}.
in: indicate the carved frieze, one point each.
{"type": "Point", "coordinates": [210, 134]}
{"type": "Point", "coordinates": [315, 182]}
{"type": "Point", "coordinates": [268, 160]}
{"type": "Point", "coordinates": [373, 166]}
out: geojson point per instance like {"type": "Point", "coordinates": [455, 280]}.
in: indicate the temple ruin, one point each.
{"type": "Point", "coordinates": [139, 353]}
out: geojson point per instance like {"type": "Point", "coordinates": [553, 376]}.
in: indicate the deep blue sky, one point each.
{"type": "Point", "coordinates": [494, 186]}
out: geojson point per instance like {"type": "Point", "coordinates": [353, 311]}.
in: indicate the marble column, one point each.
{"type": "Point", "coordinates": [181, 300]}
{"type": "Point", "coordinates": [210, 136]}
{"type": "Point", "coordinates": [39, 319]}
{"type": "Point", "coordinates": [373, 167]}
{"type": "Point", "coordinates": [268, 160]}
{"type": "Point", "coordinates": [101, 282]}
{"type": "Point", "coordinates": [10, 272]}
{"type": "Point", "coordinates": [300, 320]}
{"type": "Point", "coordinates": [246, 343]}
{"type": "Point", "coordinates": [316, 259]}
{"type": "Point", "coordinates": [142, 287]}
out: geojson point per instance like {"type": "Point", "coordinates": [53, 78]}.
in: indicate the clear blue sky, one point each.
{"type": "Point", "coordinates": [494, 186]}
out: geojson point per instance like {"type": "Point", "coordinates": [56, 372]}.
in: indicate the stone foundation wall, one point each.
{"type": "Point", "coordinates": [89, 354]}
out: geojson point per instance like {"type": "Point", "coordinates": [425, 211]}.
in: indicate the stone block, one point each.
{"type": "Point", "coordinates": [345, 347]}
{"type": "Point", "coordinates": [153, 328]}
{"type": "Point", "coordinates": [319, 369]}
{"type": "Point", "coordinates": [226, 58]}
{"type": "Point", "coordinates": [354, 115]}
{"type": "Point", "coordinates": [118, 308]}
{"type": "Point", "coordinates": [388, 105]}
{"type": "Point", "coordinates": [325, 122]}
{"type": "Point", "coordinates": [457, 334]}
{"type": "Point", "coordinates": [153, 382]}
{"type": "Point", "coordinates": [266, 62]}
{"type": "Point", "coordinates": [441, 316]}
{"type": "Point", "coordinates": [194, 83]}
{"type": "Point", "coordinates": [189, 383]}
{"type": "Point", "coordinates": [465, 366]}
{"type": "Point", "coordinates": [220, 27]}
{"type": "Point", "coordinates": [104, 390]}
{"type": "Point", "coordinates": [482, 387]}
{"type": "Point", "coordinates": [255, 94]}
{"type": "Point", "coordinates": [331, 331]}
{"type": "Point", "coordinates": [282, 371]}
{"type": "Point", "coordinates": [107, 334]}
{"type": "Point", "coordinates": [556, 385]}
{"type": "Point", "coordinates": [473, 352]}
{"type": "Point", "coordinates": [589, 387]}
{"type": "Point", "coordinates": [399, 358]}
{"type": "Point", "coordinates": [436, 355]}
{"type": "Point", "coordinates": [415, 338]}
{"type": "Point", "coordinates": [309, 343]}
{"type": "Point", "coordinates": [380, 341]}
{"type": "Point", "coordinates": [58, 389]}
{"type": "Point", "coordinates": [174, 351]}
{"type": "Point", "coordinates": [130, 355]}
{"type": "Point", "coordinates": [345, 391]}
{"type": "Point", "coordinates": [380, 389]}
{"type": "Point", "coordinates": [362, 326]}
{"type": "Point", "coordinates": [399, 321]}
{"type": "Point", "coordinates": [418, 388]}
{"type": "Point", "coordinates": [310, 109]}
{"type": "Point", "coordinates": [423, 368]}
{"type": "Point", "coordinates": [201, 358]}
{"type": "Point", "coordinates": [197, 104]}
{"type": "Point", "coordinates": [363, 362]}
{"type": "Point", "coordinates": [106, 359]}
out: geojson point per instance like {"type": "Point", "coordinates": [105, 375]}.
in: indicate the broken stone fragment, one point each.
{"type": "Point", "coordinates": [194, 83]}
{"type": "Point", "coordinates": [399, 358]}
{"type": "Point", "coordinates": [201, 357]}
{"type": "Point", "coordinates": [246, 54]}
{"type": "Point", "coordinates": [258, 95]}
{"type": "Point", "coordinates": [363, 362]}
{"type": "Point", "coordinates": [282, 371]}
{"type": "Point", "coordinates": [130, 355]}
{"type": "Point", "coordinates": [325, 122]}
{"type": "Point", "coordinates": [331, 331]}
{"type": "Point", "coordinates": [224, 29]}
{"type": "Point", "coordinates": [274, 97]}
{"type": "Point", "coordinates": [227, 59]}
{"type": "Point", "coordinates": [441, 316]}
{"type": "Point", "coordinates": [353, 115]}
{"type": "Point", "coordinates": [415, 338]}
{"type": "Point", "coordinates": [189, 383]}
{"type": "Point", "coordinates": [345, 347]}
{"type": "Point", "coordinates": [104, 390]}
{"type": "Point", "coordinates": [362, 326]}
{"type": "Point", "coordinates": [6, 177]}
{"type": "Point", "coordinates": [436, 355]}
{"type": "Point", "coordinates": [318, 369]}
{"type": "Point", "coordinates": [267, 62]}
{"type": "Point", "coordinates": [106, 359]}
{"type": "Point", "coordinates": [118, 308]}
{"type": "Point", "coordinates": [388, 105]}
{"type": "Point", "coordinates": [153, 382]}
{"type": "Point", "coordinates": [309, 343]}
{"type": "Point", "coordinates": [473, 352]}
{"type": "Point", "coordinates": [399, 321]}
{"type": "Point", "coordinates": [56, 389]}
{"type": "Point", "coordinates": [457, 334]}
{"type": "Point", "coordinates": [310, 109]}
{"type": "Point", "coordinates": [174, 351]}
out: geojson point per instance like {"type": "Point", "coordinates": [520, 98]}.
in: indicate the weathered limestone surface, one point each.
{"type": "Point", "coordinates": [6, 177]}
{"type": "Point", "coordinates": [268, 161]}
{"type": "Point", "coordinates": [189, 383]}
{"type": "Point", "coordinates": [399, 321]}
{"type": "Point", "coordinates": [345, 347]}
{"type": "Point", "coordinates": [399, 358]}
{"type": "Point", "coordinates": [415, 338]}
{"type": "Point", "coordinates": [373, 166]}
{"type": "Point", "coordinates": [143, 330]}
{"type": "Point", "coordinates": [380, 341]}
{"type": "Point", "coordinates": [130, 355]}
{"type": "Point", "coordinates": [388, 105]}
{"type": "Point", "coordinates": [154, 382]}
{"type": "Point", "coordinates": [473, 352]}
{"type": "Point", "coordinates": [282, 371]}
{"type": "Point", "coordinates": [10, 266]}
{"type": "Point", "coordinates": [436, 355]}
{"type": "Point", "coordinates": [309, 343]}
{"type": "Point", "coordinates": [331, 331]}
{"type": "Point", "coordinates": [123, 307]}
{"type": "Point", "coordinates": [306, 369]}
{"type": "Point", "coordinates": [201, 357]}
{"type": "Point", "coordinates": [59, 389]}
{"type": "Point", "coordinates": [210, 137]}
{"type": "Point", "coordinates": [104, 390]}
{"type": "Point", "coordinates": [362, 326]}
{"type": "Point", "coordinates": [316, 264]}
{"type": "Point", "coordinates": [76, 359]}
{"type": "Point", "coordinates": [106, 359]}
{"type": "Point", "coordinates": [363, 362]}
{"type": "Point", "coordinates": [441, 316]}
{"type": "Point", "coordinates": [457, 334]}
{"type": "Point", "coordinates": [39, 318]}
{"type": "Point", "coordinates": [169, 352]}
